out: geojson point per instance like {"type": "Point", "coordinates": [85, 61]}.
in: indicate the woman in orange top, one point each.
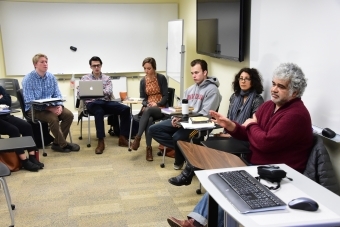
{"type": "Point", "coordinates": [154, 91]}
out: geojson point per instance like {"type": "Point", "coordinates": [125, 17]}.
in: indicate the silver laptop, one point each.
{"type": "Point", "coordinates": [91, 89]}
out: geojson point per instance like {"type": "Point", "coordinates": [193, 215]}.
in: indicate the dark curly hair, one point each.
{"type": "Point", "coordinates": [256, 80]}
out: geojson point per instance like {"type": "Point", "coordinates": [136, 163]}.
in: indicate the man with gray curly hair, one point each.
{"type": "Point", "coordinates": [279, 132]}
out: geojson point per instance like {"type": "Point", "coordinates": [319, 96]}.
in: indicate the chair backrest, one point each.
{"type": "Point", "coordinates": [171, 96]}
{"type": "Point", "coordinates": [319, 167]}
{"type": "Point", "coordinates": [11, 86]}
{"type": "Point", "coordinates": [20, 97]}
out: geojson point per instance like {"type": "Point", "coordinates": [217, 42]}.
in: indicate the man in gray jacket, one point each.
{"type": "Point", "coordinates": [202, 96]}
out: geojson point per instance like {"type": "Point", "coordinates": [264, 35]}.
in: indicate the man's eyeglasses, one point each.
{"type": "Point", "coordinates": [244, 79]}
{"type": "Point", "coordinates": [96, 66]}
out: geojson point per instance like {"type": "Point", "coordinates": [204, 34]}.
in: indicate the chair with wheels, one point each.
{"type": "Point", "coordinates": [4, 172]}
{"type": "Point", "coordinates": [35, 121]}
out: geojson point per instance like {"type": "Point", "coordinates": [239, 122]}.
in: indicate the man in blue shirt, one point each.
{"type": "Point", "coordinates": [40, 84]}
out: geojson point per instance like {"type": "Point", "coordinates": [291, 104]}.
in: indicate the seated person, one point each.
{"type": "Point", "coordinates": [40, 84]}
{"type": "Point", "coordinates": [101, 106]}
{"type": "Point", "coordinates": [154, 91]}
{"type": "Point", "coordinates": [269, 133]}
{"type": "Point", "coordinates": [244, 102]}
{"type": "Point", "coordinates": [14, 127]}
{"type": "Point", "coordinates": [202, 96]}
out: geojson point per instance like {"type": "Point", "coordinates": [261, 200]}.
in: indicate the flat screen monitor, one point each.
{"type": "Point", "coordinates": [221, 28]}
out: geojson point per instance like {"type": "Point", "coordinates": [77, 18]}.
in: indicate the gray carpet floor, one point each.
{"type": "Point", "coordinates": [117, 188]}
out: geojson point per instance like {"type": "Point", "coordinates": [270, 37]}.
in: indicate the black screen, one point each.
{"type": "Point", "coordinates": [220, 28]}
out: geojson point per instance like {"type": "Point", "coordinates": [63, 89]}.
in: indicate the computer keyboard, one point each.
{"type": "Point", "coordinates": [245, 192]}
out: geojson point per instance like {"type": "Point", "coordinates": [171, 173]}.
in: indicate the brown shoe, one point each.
{"type": "Point", "coordinates": [173, 222]}
{"type": "Point", "coordinates": [149, 153]}
{"type": "Point", "coordinates": [122, 141]}
{"type": "Point", "coordinates": [100, 147]}
{"type": "Point", "coordinates": [136, 143]}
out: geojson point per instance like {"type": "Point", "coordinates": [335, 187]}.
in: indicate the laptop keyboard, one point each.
{"type": "Point", "coordinates": [250, 190]}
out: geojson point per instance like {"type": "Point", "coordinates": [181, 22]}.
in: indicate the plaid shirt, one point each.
{"type": "Point", "coordinates": [107, 87]}
{"type": "Point", "coordinates": [37, 87]}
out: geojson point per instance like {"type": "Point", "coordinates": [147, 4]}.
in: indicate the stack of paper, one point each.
{"type": "Point", "coordinates": [178, 109]}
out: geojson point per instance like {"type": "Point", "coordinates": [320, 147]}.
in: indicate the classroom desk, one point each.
{"type": "Point", "coordinates": [328, 213]}
{"type": "Point", "coordinates": [11, 144]}
{"type": "Point", "coordinates": [130, 102]}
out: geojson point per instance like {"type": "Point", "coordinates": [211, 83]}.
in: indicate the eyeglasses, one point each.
{"type": "Point", "coordinates": [244, 79]}
{"type": "Point", "coordinates": [96, 66]}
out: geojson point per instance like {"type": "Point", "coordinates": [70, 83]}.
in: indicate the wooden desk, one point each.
{"type": "Point", "coordinates": [208, 158]}
{"type": "Point", "coordinates": [10, 144]}
{"type": "Point", "coordinates": [328, 213]}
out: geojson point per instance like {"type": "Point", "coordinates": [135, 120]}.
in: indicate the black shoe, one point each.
{"type": "Point", "coordinates": [30, 166]}
{"type": "Point", "coordinates": [184, 178]}
{"type": "Point", "coordinates": [58, 148]}
{"type": "Point", "coordinates": [73, 146]}
{"type": "Point", "coordinates": [35, 161]}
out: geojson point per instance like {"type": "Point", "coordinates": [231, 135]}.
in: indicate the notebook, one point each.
{"type": "Point", "coordinates": [49, 100]}
{"type": "Point", "coordinates": [91, 89]}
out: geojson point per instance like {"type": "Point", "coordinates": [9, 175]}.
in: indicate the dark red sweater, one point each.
{"type": "Point", "coordinates": [282, 137]}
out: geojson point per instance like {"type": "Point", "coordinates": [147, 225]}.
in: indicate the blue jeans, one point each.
{"type": "Point", "coordinates": [168, 135]}
{"type": "Point", "coordinates": [200, 212]}
{"type": "Point", "coordinates": [99, 108]}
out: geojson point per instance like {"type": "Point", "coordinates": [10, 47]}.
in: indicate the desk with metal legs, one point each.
{"type": "Point", "coordinates": [130, 102]}
{"type": "Point", "coordinates": [11, 144]}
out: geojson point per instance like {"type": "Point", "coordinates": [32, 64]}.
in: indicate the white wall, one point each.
{"type": "Point", "coordinates": [305, 32]}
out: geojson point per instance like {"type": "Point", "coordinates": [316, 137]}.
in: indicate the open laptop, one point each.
{"type": "Point", "coordinates": [91, 89]}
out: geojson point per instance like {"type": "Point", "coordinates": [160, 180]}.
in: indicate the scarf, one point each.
{"type": "Point", "coordinates": [240, 111]}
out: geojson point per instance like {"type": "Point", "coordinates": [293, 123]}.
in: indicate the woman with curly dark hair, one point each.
{"type": "Point", "coordinates": [244, 102]}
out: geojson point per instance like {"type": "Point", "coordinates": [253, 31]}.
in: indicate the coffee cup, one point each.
{"type": "Point", "coordinates": [123, 95]}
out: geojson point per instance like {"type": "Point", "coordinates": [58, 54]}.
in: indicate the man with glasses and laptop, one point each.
{"type": "Point", "coordinates": [40, 84]}
{"type": "Point", "coordinates": [279, 132]}
{"type": "Point", "coordinates": [99, 106]}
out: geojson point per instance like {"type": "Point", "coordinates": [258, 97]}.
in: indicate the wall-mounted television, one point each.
{"type": "Point", "coordinates": [221, 27]}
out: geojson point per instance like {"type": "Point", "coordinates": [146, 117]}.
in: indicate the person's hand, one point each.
{"type": "Point", "coordinates": [250, 120]}
{"type": "Point", "coordinates": [55, 109]}
{"type": "Point", "coordinates": [175, 122]}
{"type": "Point", "coordinates": [152, 104]}
{"type": "Point", "coordinates": [222, 120]}
{"type": "Point", "coordinates": [1, 96]}
{"type": "Point", "coordinates": [59, 110]}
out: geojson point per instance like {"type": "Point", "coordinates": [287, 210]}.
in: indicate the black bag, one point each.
{"type": "Point", "coordinates": [37, 136]}
{"type": "Point", "coordinates": [271, 173]}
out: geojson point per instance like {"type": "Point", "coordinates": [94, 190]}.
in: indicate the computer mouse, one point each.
{"type": "Point", "coordinates": [328, 133]}
{"type": "Point", "coordinates": [304, 203]}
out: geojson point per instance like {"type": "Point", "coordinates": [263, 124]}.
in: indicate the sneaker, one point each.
{"type": "Point", "coordinates": [30, 166]}
{"type": "Point", "coordinates": [58, 148]}
{"type": "Point", "coordinates": [35, 161]}
{"type": "Point", "coordinates": [178, 167]}
{"type": "Point", "coordinates": [73, 146]}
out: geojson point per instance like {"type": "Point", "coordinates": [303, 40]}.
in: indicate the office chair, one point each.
{"type": "Point", "coordinates": [4, 172]}
{"type": "Point", "coordinates": [20, 97]}
{"type": "Point", "coordinates": [11, 86]}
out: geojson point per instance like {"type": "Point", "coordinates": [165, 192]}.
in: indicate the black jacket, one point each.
{"type": "Point", "coordinates": [6, 98]}
{"type": "Point", "coordinates": [319, 167]}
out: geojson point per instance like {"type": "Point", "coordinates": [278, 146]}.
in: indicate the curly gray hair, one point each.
{"type": "Point", "coordinates": [295, 76]}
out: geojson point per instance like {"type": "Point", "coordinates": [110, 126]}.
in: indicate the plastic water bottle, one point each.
{"type": "Point", "coordinates": [185, 110]}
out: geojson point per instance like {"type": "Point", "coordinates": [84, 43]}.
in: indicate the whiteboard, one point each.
{"type": "Point", "coordinates": [174, 53]}
{"type": "Point", "coordinates": [122, 35]}
{"type": "Point", "coordinates": [305, 32]}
